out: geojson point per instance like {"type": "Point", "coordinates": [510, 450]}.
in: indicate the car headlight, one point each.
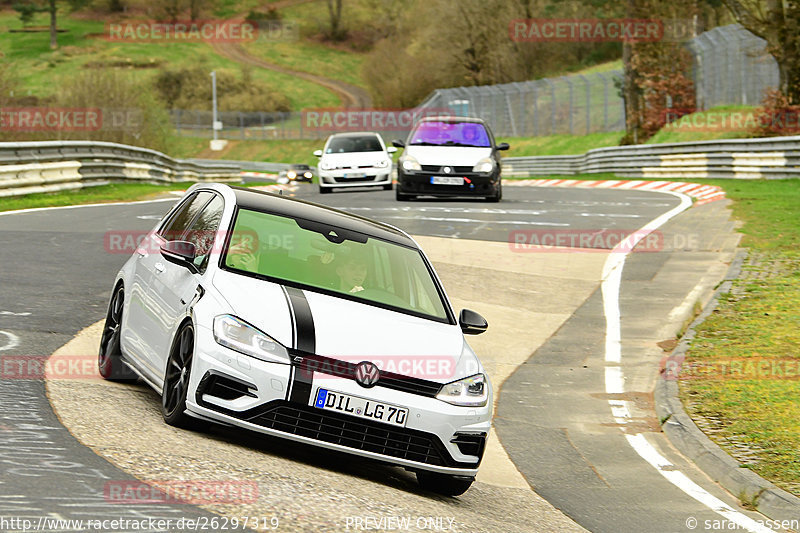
{"type": "Point", "coordinates": [383, 164]}
{"type": "Point", "coordinates": [291, 174]}
{"type": "Point", "coordinates": [468, 392]}
{"type": "Point", "coordinates": [409, 163]}
{"type": "Point", "coordinates": [308, 175]}
{"type": "Point", "coordinates": [236, 334]}
{"type": "Point", "coordinates": [327, 165]}
{"type": "Point", "coordinates": [484, 166]}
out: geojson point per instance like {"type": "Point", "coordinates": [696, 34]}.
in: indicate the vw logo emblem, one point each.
{"type": "Point", "coordinates": [447, 170]}
{"type": "Point", "coordinates": [367, 374]}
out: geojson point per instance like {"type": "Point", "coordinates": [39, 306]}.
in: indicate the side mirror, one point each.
{"type": "Point", "coordinates": [318, 153]}
{"type": "Point", "coordinates": [503, 146]}
{"type": "Point", "coordinates": [471, 322]}
{"type": "Point", "coordinates": [182, 253]}
{"type": "Point", "coordinates": [391, 150]}
{"type": "Point", "coordinates": [398, 143]}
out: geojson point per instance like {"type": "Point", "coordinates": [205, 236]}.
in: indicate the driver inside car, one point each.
{"type": "Point", "coordinates": [351, 267]}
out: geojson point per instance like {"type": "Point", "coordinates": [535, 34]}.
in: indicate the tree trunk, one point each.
{"type": "Point", "coordinates": [630, 96]}
{"type": "Point", "coordinates": [335, 14]}
{"type": "Point", "coordinates": [53, 26]}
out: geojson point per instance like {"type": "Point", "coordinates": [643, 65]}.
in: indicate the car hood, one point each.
{"type": "Point", "coordinates": [349, 330]}
{"type": "Point", "coordinates": [447, 155]}
{"type": "Point", "coordinates": [355, 158]}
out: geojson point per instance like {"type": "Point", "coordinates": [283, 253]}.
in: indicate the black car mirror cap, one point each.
{"type": "Point", "coordinates": [181, 253]}
{"type": "Point", "coordinates": [398, 143]}
{"type": "Point", "coordinates": [471, 322]}
{"type": "Point", "coordinates": [503, 146]}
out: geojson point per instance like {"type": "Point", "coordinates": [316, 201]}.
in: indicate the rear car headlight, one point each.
{"type": "Point", "coordinates": [409, 163]}
{"type": "Point", "coordinates": [383, 164]}
{"type": "Point", "coordinates": [484, 166]}
{"type": "Point", "coordinates": [327, 165]}
{"type": "Point", "coordinates": [236, 334]}
{"type": "Point", "coordinates": [468, 392]}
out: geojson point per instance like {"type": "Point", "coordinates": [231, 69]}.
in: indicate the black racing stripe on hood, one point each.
{"type": "Point", "coordinates": [304, 340]}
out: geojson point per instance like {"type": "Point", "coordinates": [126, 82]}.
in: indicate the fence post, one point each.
{"type": "Point", "coordinates": [588, 103]}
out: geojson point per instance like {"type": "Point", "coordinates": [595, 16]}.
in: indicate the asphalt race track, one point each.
{"type": "Point", "coordinates": [553, 416]}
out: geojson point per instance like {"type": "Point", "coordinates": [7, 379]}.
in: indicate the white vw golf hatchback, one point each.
{"type": "Point", "coordinates": [303, 322]}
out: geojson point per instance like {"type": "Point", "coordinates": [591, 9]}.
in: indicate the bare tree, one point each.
{"type": "Point", "coordinates": [778, 23]}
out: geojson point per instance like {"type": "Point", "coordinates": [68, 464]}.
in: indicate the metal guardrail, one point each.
{"type": "Point", "coordinates": [772, 158]}
{"type": "Point", "coordinates": [29, 167]}
{"type": "Point", "coordinates": [249, 166]}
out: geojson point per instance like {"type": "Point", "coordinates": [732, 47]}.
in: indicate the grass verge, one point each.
{"type": "Point", "coordinates": [744, 363]}
{"type": "Point", "coordinates": [114, 192]}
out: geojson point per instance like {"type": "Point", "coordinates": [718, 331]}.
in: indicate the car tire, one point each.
{"type": "Point", "coordinates": [498, 195]}
{"type": "Point", "coordinates": [176, 379]}
{"type": "Point", "coordinates": [387, 187]}
{"type": "Point", "coordinates": [444, 484]}
{"type": "Point", "coordinates": [324, 190]}
{"type": "Point", "coordinates": [109, 358]}
{"type": "Point", "coordinates": [400, 196]}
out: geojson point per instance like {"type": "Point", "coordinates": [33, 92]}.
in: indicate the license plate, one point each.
{"type": "Point", "coordinates": [446, 180]}
{"type": "Point", "coordinates": [361, 407]}
{"type": "Point", "coordinates": [355, 175]}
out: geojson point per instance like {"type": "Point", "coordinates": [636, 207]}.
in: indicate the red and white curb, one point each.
{"type": "Point", "coordinates": [702, 193]}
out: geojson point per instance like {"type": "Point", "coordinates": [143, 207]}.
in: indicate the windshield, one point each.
{"type": "Point", "coordinates": [322, 257]}
{"type": "Point", "coordinates": [450, 134]}
{"type": "Point", "coordinates": [365, 143]}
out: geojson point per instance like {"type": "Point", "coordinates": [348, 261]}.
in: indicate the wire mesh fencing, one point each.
{"type": "Point", "coordinates": [731, 66]}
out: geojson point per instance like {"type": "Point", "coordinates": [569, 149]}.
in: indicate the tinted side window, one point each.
{"type": "Point", "coordinates": [204, 230]}
{"type": "Point", "coordinates": [179, 223]}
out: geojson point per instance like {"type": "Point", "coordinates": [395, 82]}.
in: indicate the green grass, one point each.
{"type": "Point", "coordinates": [115, 192]}
{"type": "Point", "coordinates": [312, 57]}
{"type": "Point", "coordinates": [42, 71]}
{"type": "Point", "coordinates": [757, 322]}
{"type": "Point", "coordinates": [559, 144]}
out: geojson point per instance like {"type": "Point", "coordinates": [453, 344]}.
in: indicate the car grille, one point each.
{"type": "Point", "coordinates": [349, 180]}
{"type": "Point", "coordinates": [438, 169]}
{"type": "Point", "coordinates": [401, 443]}
{"type": "Point", "coordinates": [345, 369]}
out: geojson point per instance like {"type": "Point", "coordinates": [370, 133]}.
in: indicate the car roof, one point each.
{"type": "Point", "coordinates": [449, 118]}
{"type": "Point", "coordinates": [356, 134]}
{"type": "Point", "coordinates": [295, 208]}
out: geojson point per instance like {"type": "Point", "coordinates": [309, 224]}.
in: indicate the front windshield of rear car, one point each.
{"type": "Point", "coordinates": [444, 133]}
{"type": "Point", "coordinates": [323, 257]}
{"type": "Point", "coordinates": [353, 143]}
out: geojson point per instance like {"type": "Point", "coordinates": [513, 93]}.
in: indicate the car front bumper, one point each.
{"type": "Point", "coordinates": [339, 178]}
{"type": "Point", "coordinates": [419, 183]}
{"type": "Point", "coordinates": [437, 436]}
